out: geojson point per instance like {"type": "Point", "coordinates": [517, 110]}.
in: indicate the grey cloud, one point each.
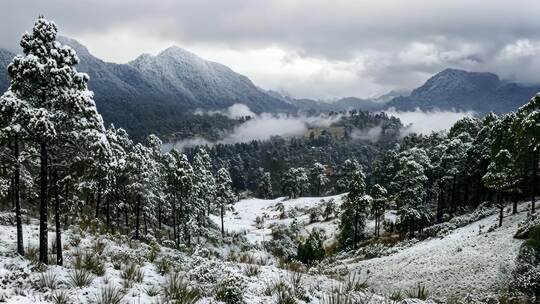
{"type": "Point", "coordinates": [461, 33]}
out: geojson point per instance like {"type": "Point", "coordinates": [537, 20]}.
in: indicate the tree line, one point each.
{"type": "Point", "coordinates": [430, 179]}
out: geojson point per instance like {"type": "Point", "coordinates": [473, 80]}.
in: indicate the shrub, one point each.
{"type": "Point", "coordinates": [109, 295]}
{"type": "Point", "coordinates": [355, 283]}
{"type": "Point", "coordinates": [47, 280]}
{"type": "Point", "coordinates": [94, 264]}
{"type": "Point", "coordinates": [80, 278]}
{"type": "Point", "coordinates": [252, 270]}
{"type": "Point", "coordinates": [396, 295]}
{"type": "Point", "coordinates": [152, 291]}
{"type": "Point", "coordinates": [164, 266]}
{"type": "Point", "coordinates": [526, 274]}
{"type": "Point", "coordinates": [60, 297]}
{"type": "Point", "coordinates": [419, 292]}
{"type": "Point", "coordinates": [75, 240]}
{"type": "Point", "coordinates": [230, 290]}
{"type": "Point", "coordinates": [32, 253]}
{"type": "Point", "coordinates": [177, 290]}
{"type": "Point", "coordinates": [282, 244]}
{"type": "Point", "coordinates": [132, 273]}
{"type": "Point", "coordinates": [312, 249]}
{"type": "Point", "coordinates": [337, 298]}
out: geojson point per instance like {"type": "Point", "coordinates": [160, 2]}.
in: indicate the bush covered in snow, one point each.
{"type": "Point", "coordinates": [524, 227]}
{"type": "Point", "coordinates": [231, 289]}
{"type": "Point", "coordinates": [443, 229]}
{"type": "Point", "coordinates": [526, 275]}
{"type": "Point", "coordinates": [282, 243]}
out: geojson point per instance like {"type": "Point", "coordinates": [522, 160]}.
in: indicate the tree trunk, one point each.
{"type": "Point", "coordinates": [59, 258]}
{"type": "Point", "coordinates": [137, 217]}
{"type": "Point", "coordinates": [222, 211]}
{"type": "Point", "coordinates": [98, 200]}
{"type": "Point", "coordinates": [145, 224]}
{"type": "Point", "coordinates": [440, 198]}
{"type": "Point", "coordinates": [17, 198]}
{"type": "Point", "coordinates": [159, 215]}
{"type": "Point", "coordinates": [126, 218]}
{"type": "Point", "coordinates": [175, 233]}
{"type": "Point", "coordinates": [453, 201]}
{"type": "Point", "coordinates": [355, 238]}
{"type": "Point", "coordinates": [43, 205]}
{"type": "Point", "coordinates": [501, 208]}
{"type": "Point", "coordinates": [515, 205]}
{"type": "Point", "coordinates": [534, 182]}
{"type": "Point", "coordinates": [66, 198]}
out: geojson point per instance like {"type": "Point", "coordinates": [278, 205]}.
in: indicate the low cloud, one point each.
{"type": "Point", "coordinates": [259, 127]}
{"type": "Point", "coordinates": [425, 122]}
{"type": "Point", "coordinates": [235, 111]}
{"type": "Point", "coordinates": [371, 134]}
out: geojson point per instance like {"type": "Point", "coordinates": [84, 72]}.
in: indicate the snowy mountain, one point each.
{"type": "Point", "coordinates": [462, 90]}
{"type": "Point", "coordinates": [175, 76]}
{"type": "Point", "coordinates": [153, 94]}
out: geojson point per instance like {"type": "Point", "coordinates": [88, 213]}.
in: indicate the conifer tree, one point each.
{"type": "Point", "coordinates": [45, 77]}
{"type": "Point", "coordinates": [225, 196]}
{"type": "Point", "coordinates": [378, 205]}
{"type": "Point", "coordinates": [354, 210]}
{"type": "Point", "coordinates": [319, 180]}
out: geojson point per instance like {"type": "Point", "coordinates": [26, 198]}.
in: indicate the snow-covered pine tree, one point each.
{"type": "Point", "coordinates": [527, 139]}
{"type": "Point", "coordinates": [500, 177]}
{"type": "Point", "coordinates": [378, 206]}
{"type": "Point", "coordinates": [409, 184]}
{"type": "Point", "coordinates": [118, 175]}
{"type": "Point", "coordinates": [204, 178]}
{"type": "Point", "coordinates": [225, 196]}
{"type": "Point", "coordinates": [319, 180]}
{"type": "Point", "coordinates": [264, 184]}
{"type": "Point", "coordinates": [44, 77]}
{"type": "Point", "coordinates": [155, 191]}
{"type": "Point", "coordinates": [14, 117]}
{"type": "Point", "coordinates": [354, 210]}
{"type": "Point", "coordinates": [347, 170]}
{"type": "Point", "coordinates": [181, 186]}
{"type": "Point", "coordinates": [294, 182]}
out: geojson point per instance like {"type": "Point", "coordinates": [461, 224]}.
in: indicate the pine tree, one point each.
{"type": "Point", "coordinates": [225, 196]}
{"type": "Point", "coordinates": [264, 184]}
{"type": "Point", "coordinates": [354, 210]}
{"type": "Point", "coordinates": [346, 173]}
{"type": "Point", "coordinates": [527, 128]}
{"type": "Point", "coordinates": [378, 205]}
{"type": "Point", "coordinates": [501, 178]}
{"type": "Point", "coordinates": [14, 117]}
{"type": "Point", "coordinates": [319, 180]}
{"type": "Point", "coordinates": [409, 183]}
{"type": "Point", "coordinates": [45, 78]}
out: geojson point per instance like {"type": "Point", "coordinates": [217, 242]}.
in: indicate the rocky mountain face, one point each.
{"type": "Point", "coordinates": [454, 89]}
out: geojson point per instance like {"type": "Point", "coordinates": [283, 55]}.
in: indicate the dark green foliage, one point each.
{"type": "Point", "coordinates": [312, 249]}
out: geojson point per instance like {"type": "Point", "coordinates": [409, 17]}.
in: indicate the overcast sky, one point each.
{"type": "Point", "coordinates": [307, 48]}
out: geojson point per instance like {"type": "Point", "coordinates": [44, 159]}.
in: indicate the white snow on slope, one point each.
{"type": "Point", "coordinates": [242, 218]}
{"type": "Point", "coordinates": [468, 261]}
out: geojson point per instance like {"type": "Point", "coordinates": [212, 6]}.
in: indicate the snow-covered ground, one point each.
{"type": "Point", "coordinates": [473, 259]}
{"type": "Point", "coordinates": [243, 218]}
{"type": "Point", "coordinates": [470, 260]}
{"type": "Point", "coordinates": [20, 277]}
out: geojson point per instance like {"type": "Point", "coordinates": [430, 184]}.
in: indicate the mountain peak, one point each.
{"type": "Point", "coordinates": [178, 52]}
